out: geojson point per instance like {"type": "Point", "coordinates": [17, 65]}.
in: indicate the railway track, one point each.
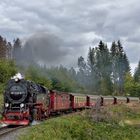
{"type": "Point", "coordinates": [6, 130]}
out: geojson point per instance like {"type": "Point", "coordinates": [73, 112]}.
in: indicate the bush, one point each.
{"type": "Point", "coordinates": [35, 74]}
{"type": "Point", "coordinates": [7, 69]}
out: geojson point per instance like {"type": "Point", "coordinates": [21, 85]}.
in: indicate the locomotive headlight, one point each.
{"type": "Point", "coordinates": [6, 104]}
{"type": "Point", "coordinates": [22, 105]}
{"type": "Point", "coordinates": [16, 79]}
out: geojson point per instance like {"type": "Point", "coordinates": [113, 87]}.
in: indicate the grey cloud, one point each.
{"type": "Point", "coordinates": [48, 49]}
{"type": "Point", "coordinates": [134, 37]}
{"type": "Point", "coordinates": [133, 51]}
{"type": "Point", "coordinates": [71, 22]}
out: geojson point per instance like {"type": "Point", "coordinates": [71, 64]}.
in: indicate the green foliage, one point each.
{"type": "Point", "coordinates": [34, 74]}
{"type": "Point", "coordinates": [132, 84]}
{"type": "Point", "coordinates": [63, 79]}
{"type": "Point", "coordinates": [120, 66]}
{"type": "Point", "coordinates": [131, 87]}
{"type": "Point", "coordinates": [1, 101]}
{"type": "Point", "coordinates": [137, 73]}
{"type": "Point", "coordinates": [66, 128]}
{"type": "Point", "coordinates": [7, 70]}
{"type": "Point", "coordinates": [57, 78]}
{"type": "Point", "coordinates": [106, 86]}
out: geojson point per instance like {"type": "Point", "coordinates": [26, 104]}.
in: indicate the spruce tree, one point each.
{"type": "Point", "coordinates": [103, 64]}
{"type": "Point", "coordinates": [93, 75]}
{"type": "Point", "coordinates": [83, 72]}
{"type": "Point", "coordinates": [123, 67]}
{"type": "Point", "coordinates": [17, 49]}
{"type": "Point", "coordinates": [114, 64]}
{"type": "Point", "coordinates": [120, 66]}
{"type": "Point", "coordinates": [137, 73]}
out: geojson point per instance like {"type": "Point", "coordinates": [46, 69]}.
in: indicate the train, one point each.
{"type": "Point", "coordinates": [26, 101]}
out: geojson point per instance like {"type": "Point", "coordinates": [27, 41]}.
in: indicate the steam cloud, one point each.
{"type": "Point", "coordinates": [43, 48]}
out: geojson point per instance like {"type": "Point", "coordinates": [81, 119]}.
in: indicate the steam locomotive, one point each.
{"type": "Point", "coordinates": [25, 101]}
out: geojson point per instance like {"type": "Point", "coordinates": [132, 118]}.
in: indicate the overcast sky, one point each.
{"type": "Point", "coordinates": [75, 25]}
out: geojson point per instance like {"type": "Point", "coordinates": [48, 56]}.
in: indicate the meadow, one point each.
{"type": "Point", "coordinates": [115, 122]}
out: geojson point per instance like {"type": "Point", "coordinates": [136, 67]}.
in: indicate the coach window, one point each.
{"type": "Point", "coordinates": [76, 100]}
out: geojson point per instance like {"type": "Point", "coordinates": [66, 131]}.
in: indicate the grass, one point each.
{"type": "Point", "coordinates": [1, 105]}
{"type": "Point", "coordinates": [107, 124]}
{"type": "Point", "coordinates": [1, 100]}
{"type": "Point", "coordinates": [61, 128]}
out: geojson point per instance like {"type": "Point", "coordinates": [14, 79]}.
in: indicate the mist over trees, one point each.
{"type": "Point", "coordinates": [105, 71]}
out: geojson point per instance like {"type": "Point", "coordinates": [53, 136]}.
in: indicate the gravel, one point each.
{"type": "Point", "coordinates": [14, 135]}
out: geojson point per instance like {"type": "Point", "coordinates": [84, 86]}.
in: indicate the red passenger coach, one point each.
{"type": "Point", "coordinates": [59, 101]}
{"type": "Point", "coordinates": [78, 100]}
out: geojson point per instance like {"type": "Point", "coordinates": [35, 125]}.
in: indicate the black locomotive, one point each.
{"type": "Point", "coordinates": [23, 99]}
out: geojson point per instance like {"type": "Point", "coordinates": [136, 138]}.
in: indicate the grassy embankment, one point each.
{"type": "Point", "coordinates": [1, 104]}
{"type": "Point", "coordinates": [1, 100]}
{"type": "Point", "coordinates": [113, 123]}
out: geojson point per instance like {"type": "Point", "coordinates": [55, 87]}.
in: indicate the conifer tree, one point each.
{"type": "Point", "coordinates": [2, 48]}
{"type": "Point", "coordinates": [104, 68]}
{"type": "Point", "coordinates": [114, 64]}
{"type": "Point", "coordinates": [17, 49]}
{"type": "Point", "coordinates": [120, 66]}
{"type": "Point", "coordinates": [92, 76]}
{"type": "Point", "coordinates": [83, 71]}
{"type": "Point", "coordinates": [137, 73]}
